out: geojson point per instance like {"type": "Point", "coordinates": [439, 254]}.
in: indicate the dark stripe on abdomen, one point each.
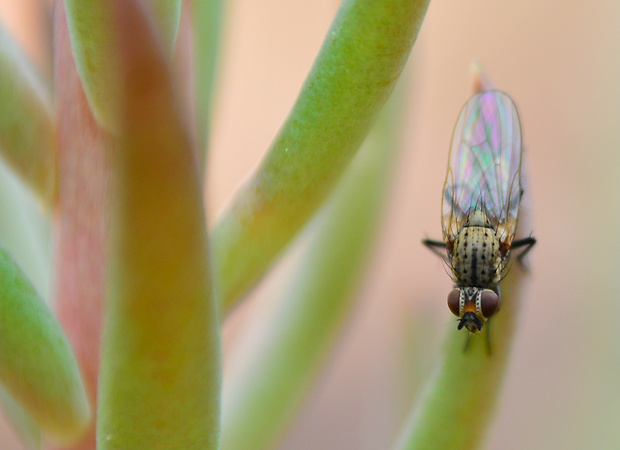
{"type": "Point", "coordinates": [474, 266]}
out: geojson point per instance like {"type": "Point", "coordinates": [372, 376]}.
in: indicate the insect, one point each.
{"type": "Point", "coordinates": [481, 205]}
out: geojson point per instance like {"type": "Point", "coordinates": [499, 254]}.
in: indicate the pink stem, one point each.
{"type": "Point", "coordinates": [80, 215]}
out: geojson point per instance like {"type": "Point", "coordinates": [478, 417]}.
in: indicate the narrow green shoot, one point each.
{"type": "Point", "coordinates": [359, 63]}
{"type": "Point", "coordinates": [26, 121]}
{"type": "Point", "coordinates": [94, 49]}
{"type": "Point", "coordinates": [37, 366]}
{"type": "Point", "coordinates": [293, 344]}
{"type": "Point", "coordinates": [207, 16]}
{"type": "Point", "coordinates": [458, 406]}
{"type": "Point", "coordinates": [26, 430]}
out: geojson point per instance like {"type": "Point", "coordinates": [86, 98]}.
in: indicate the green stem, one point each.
{"type": "Point", "coordinates": [37, 366]}
{"type": "Point", "coordinates": [289, 349]}
{"type": "Point", "coordinates": [207, 16]}
{"type": "Point", "coordinates": [91, 27]}
{"type": "Point", "coordinates": [459, 404]}
{"type": "Point", "coordinates": [26, 121]}
{"type": "Point", "coordinates": [28, 432]}
{"type": "Point", "coordinates": [160, 366]}
{"type": "Point", "coordinates": [361, 59]}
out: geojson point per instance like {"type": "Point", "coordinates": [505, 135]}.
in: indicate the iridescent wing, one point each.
{"type": "Point", "coordinates": [484, 165]}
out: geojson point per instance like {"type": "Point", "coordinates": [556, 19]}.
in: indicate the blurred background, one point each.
{"type": "Point", "coordinates": [560, 63]}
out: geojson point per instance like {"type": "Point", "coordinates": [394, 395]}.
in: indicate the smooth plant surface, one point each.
{"type": "Point", "coordinates": [37, 366]}
{"type": "Point", "coordinates": [26, 120]}
{"type": "Point", "coordinates": [284, 352]}
{"type": "Point", "coordinates": [356, 70]}
{"type": "Point", "coordinates": [171, 388]}
{"type": "Point", "coordinates": [458, 405]}
{"type": "Point", "coordinates": [94, 47]}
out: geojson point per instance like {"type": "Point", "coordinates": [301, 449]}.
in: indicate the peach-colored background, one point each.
{"type": "Point", "coordinates": [560, 61]}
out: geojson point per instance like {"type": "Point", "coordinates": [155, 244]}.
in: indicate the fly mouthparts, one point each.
{"type": "Point", "coordinates": [469, 320]}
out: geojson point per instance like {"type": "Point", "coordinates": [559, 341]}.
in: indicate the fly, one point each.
{"type": "Point", "coordinates": [480, 206]}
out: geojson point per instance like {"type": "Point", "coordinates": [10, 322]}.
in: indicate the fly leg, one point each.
{"type": "Point", "coordinates": [528, 243]}
{"type": "Point", "coordinates": [467, 341]}
{"type": "Point", "coordinates": [437, 247]}
{"type": "Point", "coordinates": [488, 338]}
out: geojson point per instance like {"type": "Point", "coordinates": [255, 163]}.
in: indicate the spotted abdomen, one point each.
{"type": "Point", "coordinates": [476, 257]}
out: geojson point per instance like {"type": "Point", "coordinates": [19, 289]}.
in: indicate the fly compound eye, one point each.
{"type": "Point", "coordinates": [489, 303]}
{"type": "Point", "coordinates": [454, 299]}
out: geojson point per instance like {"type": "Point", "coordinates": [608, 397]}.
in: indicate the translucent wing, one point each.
{"type": "Point", "coordinates": [484, 165]}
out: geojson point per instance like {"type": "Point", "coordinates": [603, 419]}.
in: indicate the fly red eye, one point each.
{"type": "Point", "coordinates": [454, 302]}
{"type": "Point", "coordinates": [489, 303]}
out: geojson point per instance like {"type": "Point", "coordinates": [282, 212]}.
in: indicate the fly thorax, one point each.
{"type": "Point", "coordinates": [478, 219]}
{"type": "Point", "coordinates": [476, 258]}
